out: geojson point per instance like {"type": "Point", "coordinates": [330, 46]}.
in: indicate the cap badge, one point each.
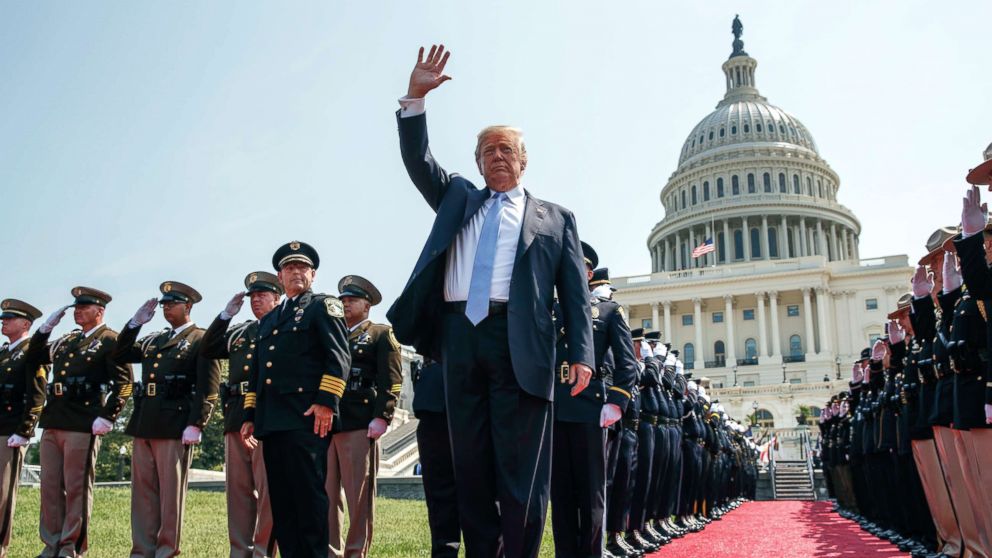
{"type": "Point", "coordinates": [166, 287]}
{"type": "Point", "coordinates": [294, 245]}
{"type": "Point", "coordinates": [252, 277]}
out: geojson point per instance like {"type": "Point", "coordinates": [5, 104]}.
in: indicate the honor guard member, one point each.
{"type": "Point", "coordinates": [22, 396]}
{"type": "Point", "coordinates": [578, 464]}
{"type": "Point", "coordinates": [87, 393]}
{"type": "Point", "coordinates": [622, 466]}
{"type": "Point", "coordinates": [366, 410]}
{"type": "Point", "coordinates": [172, 404]}
{"type": "Point", "coordinates": [249, 515]}
{"type": "Point", "coordinates": [297, 373]}
{"type": "Point", "coordinates": [437, 470]}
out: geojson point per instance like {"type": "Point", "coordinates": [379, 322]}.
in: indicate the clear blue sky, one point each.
{"type": "Point", "coordinates": [141, 142]}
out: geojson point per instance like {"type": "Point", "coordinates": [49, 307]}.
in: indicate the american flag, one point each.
{"type": "Point", "coordinates": [705, 248]}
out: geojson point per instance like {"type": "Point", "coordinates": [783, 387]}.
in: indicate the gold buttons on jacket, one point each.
{"type": "Point", "coordinates": [158, 355]}
{"type": "Point", "coordinates": [155, 365]}
{"type": "Point", "coordinates": [268, 380]}
{"type": "Point", "coordinates": [275, 332]}
{"type": "Point", "coordinates": [299, 389]}
{"type": "Point", "coordinates": [268, 364]}
{"type": "Point", "coordinates": [272, 347]}
{"type": "Point", "coordinates": [252, 346]}
{"type": "Point", "coordinates": [248, 356]}
{"type": "Point", "coordinates": [72, 355]}
{"type": "Point", "coordinates": [152, 376]}
{"type": "Point", "coordinates": [246, 368]}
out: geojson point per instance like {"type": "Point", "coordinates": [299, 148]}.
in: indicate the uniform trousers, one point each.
{"type": "Point", "coordinates": [659, 471]}
{"type": "Point", "coordinates": [642, 480]}
{"type": "Point", "coordinates": [976, 494]}
{"type": "Point", "coordinates": [159, 475]}
{"type": "Point", "coordinates": [672, 486]}
{"type": "Point", "coordinates": [578, 488]}
{"type": "Point", "coordinates": [67, 475]}
{"type": "Point", "coordinates": [500, 440]}
{"type": "Point", "coordinates": [352, 466]}
{"type": "Point", "coordinates": [249, 513]}
{"type": "Point", "coordinates": [621, 495]}
{"type": "Point", "coordinates": [954, 477]}
{"type": "Point", "coordinates": [439, 484]}
{"type": "Point", "coordinates": [938, 498]}
{"type": "Point", "coordinates": [296, 468]}
{"type": "Point", "coordinates": [11, 461]}
{"type": "Point", "coordinates": [980, 440]}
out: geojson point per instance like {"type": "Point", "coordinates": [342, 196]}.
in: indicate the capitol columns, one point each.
{"type": "Point", "coordinates": [697, 320]}
{"type": "Point", "coordinates": [746, 236]}
{"type": "Point", "coordinates": [783, 239]}
{"type": "Point", "coordinates": [762, 330]}
{"type": "Point", "coordinates": [668, 254]}
{"type": "Point", "coordinates": [728, 247]}
{"type": "Point", "coordinates": [821, 241]}
{"type": "Point", "coordinates": [711, 257]}
{"type": "Point", "coordinates": [834, 247]}
{"type": "Point", "coordinates": [668, 320]}
{"type": "Point", "coordinates": [728, 318]}
{"type": "Point", "coordinates": [803, 247]}
{"type": "Point", "coordinates": [654, 315]}
{"type": "Point", "coordinates": [809, 342]}
{"type": "Point", "coordinates": [776, 340]}
{"type": "Point", "coordinates": [822, 314]}
{"type": "Point", "coordinates": [765, 254]}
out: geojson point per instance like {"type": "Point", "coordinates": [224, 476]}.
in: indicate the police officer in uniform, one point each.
{"type": "Point", "coordinates": [22, 396]}
{"type": "Point", "coordinates": [622, 466]}
{"type": "Point", "coordinates": [173, 402]}
{"type": "Point", "coordinates": [249, 515]}
{"type": "Point", "coordinates": [366, 410]}
{"type": "Point", "coordinates": [297, 372]}
{"type": "Point", "coordinates": [578, 466]}
{"type": "Point", "coordinates": [87, 393]}
{"type": "Point", "coordinates": [435, 458]}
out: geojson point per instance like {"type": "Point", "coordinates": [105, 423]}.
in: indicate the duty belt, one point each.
{"type": "Point", "coordinates": [630, 422]}
{"type": "Point", "coordinates": [239, 388]}
{"type": "Point", "coordinates": [76, 387]}
{"type": "Point", "coordinates": [649, 418]}
{"type": "Point", "coordinates": [563, 373]}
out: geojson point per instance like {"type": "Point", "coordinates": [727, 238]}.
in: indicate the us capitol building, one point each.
{"type": "Point", "coordinates": [776, 314]}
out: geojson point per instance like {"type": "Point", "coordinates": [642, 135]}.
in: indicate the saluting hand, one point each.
{"type": "Point", "coordinates": [922, 282]}
{"type": "Point", "coordinates": [896, 333]}
{"type": "Point", "coordinates": [974, 214]}
{"type": "Point", "coordinates": [878, 350]}
{"type": "Point", "coordinates": [988, 414]}
{"type": "Point", "coordinates": [323, 417]}
{"type": "Point", "coordinates": [429, 73]}
{"type": "Point", "coordinates": [951, 275]}
{"type": "Point", "coordinates": [144, 313]}
{"type": "Point", "coordinates": [233, 306]}
{"type": "Point", "coordinates": [53, 320]}
{"type": "Point", "coordinates": [579, 376]}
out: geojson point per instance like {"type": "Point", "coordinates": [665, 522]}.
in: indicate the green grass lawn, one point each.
{"type": "Point", "coordinates": [400, 526]}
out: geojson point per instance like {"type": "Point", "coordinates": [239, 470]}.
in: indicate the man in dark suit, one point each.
{"type": "Point", "coordinates": [481, 295]}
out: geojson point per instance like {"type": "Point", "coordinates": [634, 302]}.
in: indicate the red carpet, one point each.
{"type": "Point", "coordinates": [777, 530]}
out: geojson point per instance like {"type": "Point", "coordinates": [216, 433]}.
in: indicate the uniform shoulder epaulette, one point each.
{"type": "Point", "coordinates": [54, 347]}
{"type": "Point", "coordinates": [146, 341]}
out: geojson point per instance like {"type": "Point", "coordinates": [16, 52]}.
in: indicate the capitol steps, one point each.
{"type": "Point", "coordinates": [792, 481]}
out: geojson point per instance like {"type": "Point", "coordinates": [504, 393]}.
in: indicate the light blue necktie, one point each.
{"type": "Point", "coordinates": [477, 306]}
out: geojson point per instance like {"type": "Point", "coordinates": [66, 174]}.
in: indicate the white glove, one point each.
{"type": "Point", "coordinates": [17, 441]}
{"type": "Point", "coordinates": [377, 428]}
{"type": "Point", "coordinates": [896, 333]}
{"type": "Point", "coordinates": [988, 414]}
{"type": "Point", "coordinates": [233, 306]}
{"type": "Point", "coordinates": [192, 435]}
{"type": "Point", "coordinates": [952, 276]}
{"type": "Point", "coordinates": [646, 350]}
{"type": "Point", "coordinates": [974, 217]}
{"type": "Point", "coordinates": [610, 414]}
{"type": "Point", "coordinates": [857, 373]}
{"type": "Point", "coordinates": [102, 426]}
{"type": "Point", "coordinates": [53, 320]}
{"type": "Point", "coordinates": [144, 314]}
{"type": "Point", "coordinates": [922, 282]}
{"type": "Point", "coordinates": [878, 350]}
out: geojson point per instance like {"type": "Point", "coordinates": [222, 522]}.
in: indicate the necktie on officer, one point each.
{"type": "Point", "coordinates": [477, 305]}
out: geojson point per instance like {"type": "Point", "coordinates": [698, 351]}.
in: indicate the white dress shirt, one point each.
{"type": "Point", "coordinates": [181, 329]}
{"type": "Point", "coordinates": [461, 253]}
{"type": "Point", "coordinates": [12, 346]}
{"type": "Point", "coordinates": [356, 326]}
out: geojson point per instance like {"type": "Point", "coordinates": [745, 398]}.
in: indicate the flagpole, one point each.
{"type": "Point", "coordinates": [716, 253]}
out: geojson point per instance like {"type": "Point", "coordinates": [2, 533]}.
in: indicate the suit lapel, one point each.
{"type": "Point", "coordinates": [475, 200]}
{"type": "Point", "coordinates": [534, 213]}
{"type": "Point", "coordinates": [183, 335]}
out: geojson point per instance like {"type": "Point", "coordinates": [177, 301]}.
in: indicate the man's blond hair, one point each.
{"type": "Point", "coordinates": [514, 132]}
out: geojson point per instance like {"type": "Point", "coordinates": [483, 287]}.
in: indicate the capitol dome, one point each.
{"type": "Point", "coordinates": [751, 180]}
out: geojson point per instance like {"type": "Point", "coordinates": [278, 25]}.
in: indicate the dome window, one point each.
{"type": "Point", "coordinates": [711, 135]}
{"type": "Point", "coordinates": [722, 132]}
{"type": "Point", "coordinates": [819, 187]}
{"type": "Point", "coordinates": [747, 128]}
{"type": "Point", "coordinates": [693, 195]}
{"type": "Point", "coordinates": [719, 186]}
{"type": "Point", "coordinates": [781, 129]}
{"type": "Point", "coordinates": [781, 183]}
{"type": "Point", "coordinates": [750, 183]}
{"type": "Point", "coordinates": [735, 185]}
{"type": "Point", "coordinates": [706, 191]}
{"type": "Point", "coordinates": [683, 199]}
{"type": "Point", "coordinates": [757, 127]}
{"type": "Point", "coordinates": [694, 143]}
{"type": "Point", "coordinates": [733, 130]}
{"type": "Point", "coordinates": [701, 138]}
{"type": "Point", "coordinates": [766, 180]}
{"type": "Point", "coordinates": [795, 184]}
{"type": "Point", "coordinates": [809, 186]}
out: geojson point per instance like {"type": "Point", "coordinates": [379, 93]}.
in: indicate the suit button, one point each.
{"type": "Point", "coordinates": [62, 373]}
{"type": "Point", "coordinates": [246, 368]}
{"type": "Point", "coordinates": [248, 356]}
{"type": "Point", "coordinates": [294, 328]}
{"type": "Point", "coordinates": [71, 355]}
{"type": "Point", "coordinates": [158, 355]}
{"type": "Point", "coordinates": [299, 390]}
{"type": "Point", "coordinates": [275, 332]}
{"type": "Point", "coordinates": [268, 380]}
{"type": "Point", "coordinates": [87, 359]}
{"type": "Point", "coordinates": [272, 347]}
{"type": "Point", "coordinates": [365, 401]}
{"type": "Point", "coordinates": [268, 364]}
{"type": "Point", "coordinates": [155, 365]}
{"type": "Point", "coordinates": [151, 376]}
{"type": "Point", "coordinates": [252, 346]}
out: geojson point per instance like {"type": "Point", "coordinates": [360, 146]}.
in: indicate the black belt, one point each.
{"type": "Point", "coordinates": [496, 308]}
{"type": "Point", "coordinates": [630, 422]}
{"type": "Point", "coordinates": [649, 418]}
{"type": "Point", "coordinates": [239, 388]}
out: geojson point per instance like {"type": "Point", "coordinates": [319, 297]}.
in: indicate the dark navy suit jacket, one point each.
{"type": "Point", "coordinates": [548, 256]}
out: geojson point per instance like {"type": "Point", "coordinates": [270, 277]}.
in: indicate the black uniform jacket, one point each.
{"type": "Point", "coordinates": [86, 382]}
{"type": "Point", "coordinates": [22, 390]}
{"type": "Point", "coordinates": [301, 358]}
{"type": "Point", "coordinates": [178, 385]}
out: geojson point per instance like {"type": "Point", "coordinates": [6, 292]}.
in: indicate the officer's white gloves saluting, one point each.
{"type": "Point", "coordinates": [102, 426]}
{"type": "Point", "coordinates": [192, 435]}
{"type": "Point", "coordinates": [53, 320]}
{"type": "Point", "coordinates": [974, 215]}
{"type": "Point", "coordinates": [17, 441]}
{"type": "Point", "coordinates": [896, 333]}
{"type": "Point", "coordinates": [233, 307]}
{"type": "Point", "coordinates": [610, 414]}
{"type": "Point", "coordinates": [144, 314]}
{"type": "Point", "coordinates": [952, 276]}
{"type": "Point", "coordinates": [922, 282]}
{"type": "Point", "coordinates": [377, 428]}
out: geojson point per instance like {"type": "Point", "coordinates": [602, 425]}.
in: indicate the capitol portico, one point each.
{"type": "Point", "coordinates": [782, 306]}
